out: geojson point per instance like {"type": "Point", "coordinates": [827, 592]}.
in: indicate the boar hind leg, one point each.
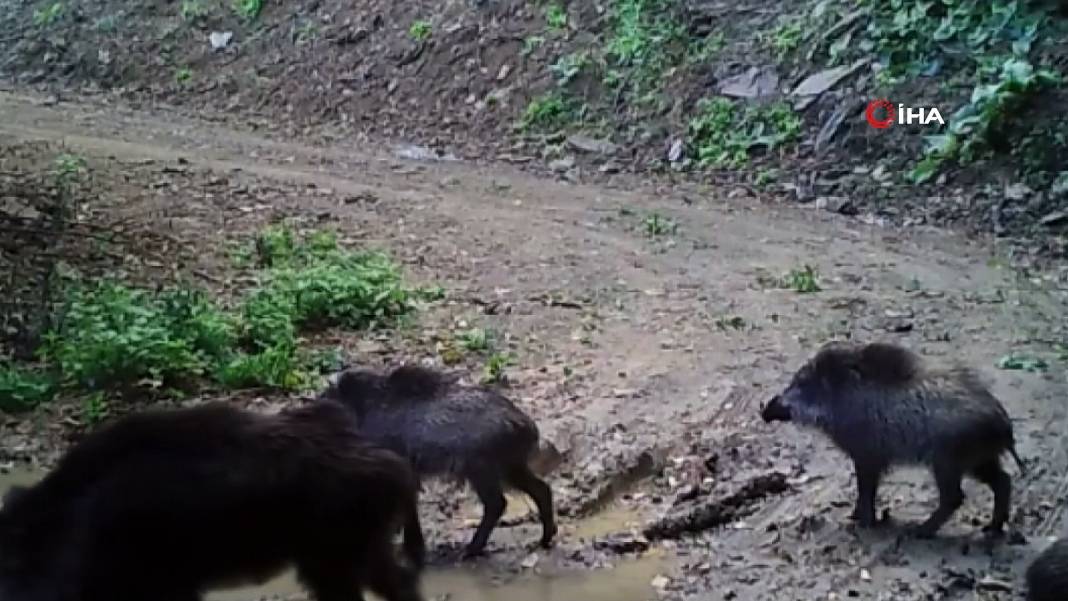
{"type": "Point", "coordinates": [948, 476]}
{"type": "Point", "coordinates": [992, 474]}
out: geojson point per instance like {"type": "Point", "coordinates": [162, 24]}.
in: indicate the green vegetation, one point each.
{"type": "Point", "coordinates": [785, 39]}
{"type": "Point", "coordinates": [116, 339]}
{"type": "Point", "coordinates": [985, 118]}
{"type": "Point", "coordinates": [555, 17]}
{"type": "Point", "coordinates": [804, 280]}
{"type": "Point", "coordinates": [646, 39]}
{"type": "Point", "coordinates": [568, 66]}
{"type": "Point", "coordinates": [191, 10]}
{"type": "Point", "coordinates": [248, 9]}
{"type": "Point", "coordinates": [532, 43]}
{"type": "Point", "coordinates": [723, 135]}
{"type": "Point", "coordinates": [43, 17]}
{"type": "Point", "coordinates": [420, 31]}
{"type": "Point", "coordinates": [655, 225]}
{"type": "Point", "coordinates": [544, 112]}
{"type": "Point", "coordinates": [495, 366]}
{"type": "Point", "coordinates": [183, 75]}
{"type": "Point", "coordinates": [476, 340]}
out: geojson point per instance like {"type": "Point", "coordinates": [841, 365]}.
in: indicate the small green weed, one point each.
{"type": "Point", "coordinates": [191, 10]}
{"type": "Point", "coordinates": [656, 225]}
{"type": "Point", "coordinates": [420, 31]}
{"type": "Point", "coordinates": [532, 43]}
{"type": "Point", "coordinates": [545, 112]}
{"type": "Point", "coordinates": [48, 15]}
{"type": "Point", "coordinates": [68, 168]}
{"type": "Point", "coordinates": [95, 408]}
{"type": "Point", "coordinates": [1017, 361]}
{"type": "Point", "coordinates": [248, 9]}
{"type": "Point", "coordinates": [785, 39]}
{"type": "Point", "coordinates": [495, 368]}
{"type": "Point", "coordinates": [568, 66]}
{"type": "Point", "coordinates": [476, 340]}
{"type": "Point", "coordinates": [555, 17]}
{"type": "Point", "coordinates": [706, 49]}
{"type": "Point", "coordinates": [183, 75]}
{"type": "Point", "coordinates": [804, 280]}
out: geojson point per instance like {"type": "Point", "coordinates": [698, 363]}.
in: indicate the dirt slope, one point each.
{"type": "Point", "coordinates": [458, 76]}
{"type": "Point", "coordinates": [630, 342]}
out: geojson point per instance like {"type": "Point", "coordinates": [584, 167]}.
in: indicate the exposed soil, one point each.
{"type": "Point", "coordinates": [354, 70]}
{"type": "Point", "coordinates": [629, 353]}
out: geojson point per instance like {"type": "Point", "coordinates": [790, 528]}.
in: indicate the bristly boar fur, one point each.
{"type": "Point", "coordinates": [881, 406]}
{"type": "Point", "coordinates": [1047, 576]}
{"type": "Point", "coordinates": [166, 505]}
{"type": "Point", "coordinates": [470, 433]}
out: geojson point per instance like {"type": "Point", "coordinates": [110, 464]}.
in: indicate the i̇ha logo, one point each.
{"type": "Point", "coordinates": [881, 114]}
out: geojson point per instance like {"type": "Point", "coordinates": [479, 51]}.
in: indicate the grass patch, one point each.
{"type": "Point", "coordinates": [722, 135]}
{"type": "Point", "coordinates": [113, 338]}
{"type": "Point", "coordinates": [656, 225]}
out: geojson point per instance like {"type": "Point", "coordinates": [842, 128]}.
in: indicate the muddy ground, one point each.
{"type": "Point", "coordinates": [644, 358]}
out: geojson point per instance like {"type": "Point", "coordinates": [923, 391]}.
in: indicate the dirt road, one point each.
{"type": "Point", "coordinates": [642, 321]}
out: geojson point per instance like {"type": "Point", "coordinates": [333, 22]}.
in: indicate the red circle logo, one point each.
{"type": "Point", "coordinates": [888, 109]}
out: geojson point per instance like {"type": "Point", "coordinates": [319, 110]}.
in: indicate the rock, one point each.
{"type": "Point", "coordinates": [530, 561]}
{"type": "Point", "coordinates": [820, 82]}
{"type": "Point", "coordinates": [1054, 218]}
{"type": "Point", "coordinates": [562, 165]}
{"type": "Point", "coordinates": [1017, 191]}
{"type": "Point", "coordinates": [591, 145]}
{"type": "Point", "coordinates": [754, 83]}
{"type": "Point", "coordinates": [660, 582]}
{"type": "Point", "coordinates": [675, 151]}
{"type": "Point", "coordinates": [220, 39]}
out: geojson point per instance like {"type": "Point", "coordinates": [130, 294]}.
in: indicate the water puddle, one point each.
{"type": "Point", "coordinates": [17, 477]}
{"type": "Point", "coordinates": [628, 581]}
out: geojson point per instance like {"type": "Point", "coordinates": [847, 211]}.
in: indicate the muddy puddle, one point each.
{"type": "Point", "coordinates": [628, 581]}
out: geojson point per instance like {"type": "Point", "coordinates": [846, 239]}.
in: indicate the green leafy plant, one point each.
{"type": "Point", "coordinates": [183, 75]}
{"type": "Point", "coordinates": [48, 15]}
{"type": "Point", "coordinates": [723, 135]}
{"type": "Point", "coordinates": [495, 368]}
{"type": "Point", "coordinates": [23, 388]}
{"type": "Point", "coordinates": [191, 10]}
{"type": "Point", "coordinates": [420, 31]}
{"type": "Point", "coordinates": [476, 340]}
{"type": "Point", "coordinates": [656, 225]}
{"type": "Point", "coordinates": [569, 66]}
{"type": "Point", "coordinates": [989, 111]}
{"type": "Point", "coordinates": [545, 112]}
{"type": "Point", "coordinates": [248, 9]}
{"type": "Point", "coordinates": [555, 16]}
{"type": "Point", "coordinates": [804, 280]}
